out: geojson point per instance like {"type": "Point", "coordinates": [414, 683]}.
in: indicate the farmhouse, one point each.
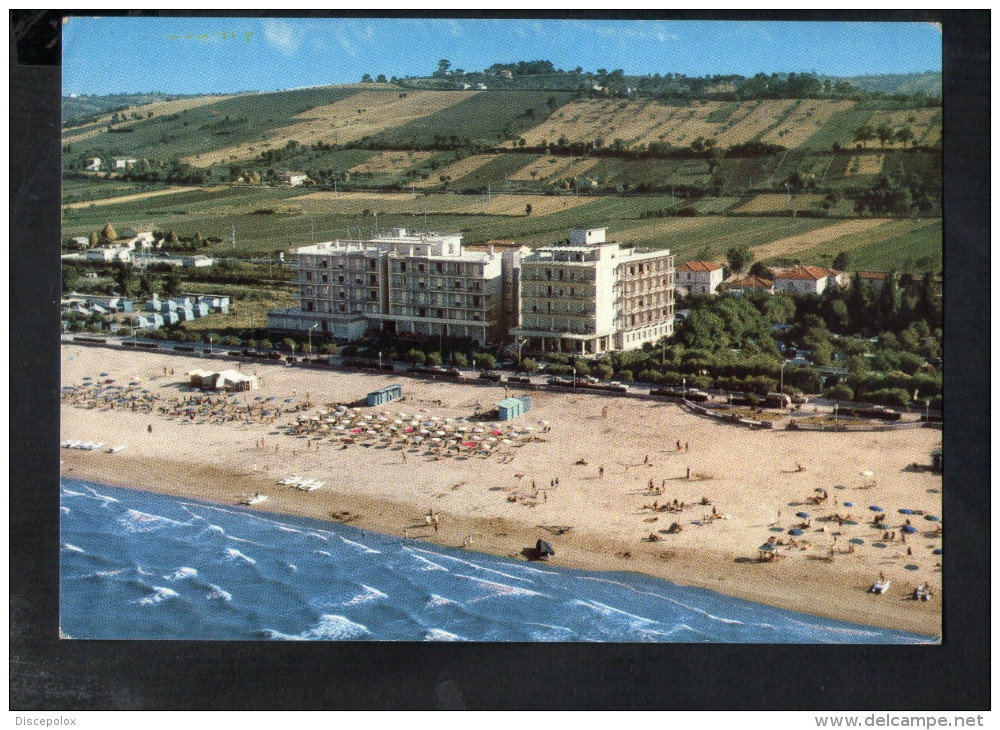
{"type": "Point", "coordinates": [871, 279]}
{"type": "Point", "coordinates": [807, 280]}
{"type": "Point", "coordinates": [591, 295]}
{"type": "Point", "coordinates": [744, 284]}
{"type": "Point", "coordinates": [294, 179]}
{"type": "Point", "coordinates": [93, 164]}
{"type": "Point", "coordinates": [699, 277]}
{"type": "Point", "coordinates": [123, 163]}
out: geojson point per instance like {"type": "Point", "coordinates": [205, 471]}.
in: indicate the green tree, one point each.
{"type": "Point", "coordinates": [841, 391]}
{"type": "Point", "coordinates": [415, 356]}
{"type": "Point", "coordinates": [108, 233]}
{"type": "Point", "coordinates": [841, 261]}
{"type": "Point", "coordinates": [864, 135]}
{"type": "Point", "coordinates": [146, 284]}
{"type": "Point", "coordinates": [528, 365]}
{"type": "Point", "coordinates": [443, 65]}
{"type": "Point", "coordinates": [70, 277]}
{"type": "Point", "coordinates": [485, 360]}
{"type": "Point", "coordinates": [739, 257]}
{"type": "Point", "coordinates": [527, 209]}
{"type": "Point", "coordinates": [172, 284]}
{"type": "Point", "coordinates": [905, 135]}
{"type": "Point", "coordinates": [460, 359]}
{"type": "Point", "coordinates": [93, 238]}
{"type": "Point", "coordinates": [123, 280]}
{"type": "Point", "coordinates": [884, 133]}
{"type": "Point", "coordinates": [434, 358]}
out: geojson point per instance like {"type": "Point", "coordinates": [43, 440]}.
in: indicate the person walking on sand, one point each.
{"type": "Point", "coordinates": [678, 444]}
{"type": "Point", "coordinates": [600, 472]}
{"type": "Point", "coordinates": [686, 445]}
{"type": "Point", "coordinates": [149, 428]}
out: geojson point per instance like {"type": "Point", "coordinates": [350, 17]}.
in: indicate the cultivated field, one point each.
{"type": "Point", "coordinates": [158, 108]}
{"type": "Point", "coordinates": [130, 198]}
{"type": "Point", "coordinates": [925, 123]}
{"type": "Point", "coordinates": [456, 170]}
{"type": "Point", "coordinates": [550, 167]}
{"type": "Point", "coordinates": [794, 245]}
{"type": "Point", "coordinates": [809, 117]}
{"type": "Point", "coordinates": [391, 162]}
{"type": "Point", "coordinates": [787, 122]}
{"type": "Point", "coordinates": [865, 165]}
{"type": "Point", "coordinates": [774, 202]}
{"type": "Point", "coordinates": [360, 115]}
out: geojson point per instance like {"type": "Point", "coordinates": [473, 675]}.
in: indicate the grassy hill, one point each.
{"type": "Point", "coordinates": [697, 175]}
{"type": "Point", "coordinates": [77, 108]}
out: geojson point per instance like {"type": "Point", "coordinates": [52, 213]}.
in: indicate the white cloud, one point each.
{"type": "Point", "coordinates": [454, 28]}
{"type": "Point", "coordinates": [346, 44]}
{"type": "Point", "coordinates": [281, 36]}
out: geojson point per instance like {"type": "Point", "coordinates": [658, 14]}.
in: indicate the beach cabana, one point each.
{"type": "Point", "coordinates": [384, 395]}
{"type": "Point", "coordinates": [235, 380]}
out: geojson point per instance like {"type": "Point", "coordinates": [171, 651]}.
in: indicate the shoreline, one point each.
{"type": "Point", "coordinates": [374, 490]}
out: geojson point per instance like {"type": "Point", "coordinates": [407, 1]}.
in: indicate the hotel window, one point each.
{"type": "Point", "coordinates": [309, 276]}
{"type": "Point", "coordinates": [326, 278]}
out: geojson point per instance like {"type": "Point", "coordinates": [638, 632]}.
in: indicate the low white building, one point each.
{"type": "Point", "coordinates": [108, 254]}
{"type": "Point", "coordinates": [123, 163]}
{"type": "Point", "coordinates": [294, 179]}
{"type": "Point", "coordinates": [93, 164]}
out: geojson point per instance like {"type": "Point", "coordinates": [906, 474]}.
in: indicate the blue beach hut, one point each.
{"type": "Point", "coordinates": [511, 408]}
{"type": "Point", "coordinates": [384, 395]}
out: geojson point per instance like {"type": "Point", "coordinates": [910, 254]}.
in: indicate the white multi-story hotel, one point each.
{"type": "Point", "coordinates": [405, 283]}
{"type": "Point", "coordinates": [589, 295]}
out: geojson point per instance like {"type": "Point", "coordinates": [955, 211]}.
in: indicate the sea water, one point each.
{"type": "Point", "coordinates": [137, 565]}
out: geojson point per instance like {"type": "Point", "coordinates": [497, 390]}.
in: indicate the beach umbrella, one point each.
{"type": "Point", "coordinates": [795, 531]}
{"type": "Point", "coordinates": [876, 508]}
{"type": "Point", "coordinates": [104, 375]}
{"type": "Point", "coordinates": [932, 518]}
{"type": "Point", "coordinates": [803, 515]}
{"type": "Point", "coordinates": [87, 377]}
{"type": "Point", "coordinates": [905, 511]}
{"type": "Point", "coordinates": [544, 549]}
{"type": "Point", "coordinates": [848, 504]}
{"type": "Point", "coordinates": [936, 551]}
{"type": "Point", "coordinates": [355, 430]}
{"type": "Point", "coordinates": [867, 473]}
{"type": "Point", "coordinates": [495, 432]}
{"type": "Point", "coordinates": [857, 541]}
{"type": "Point", "coordinates": [909, 529]}
{"type": "Point", "coordinates": [767, 547]}
{"type": "Point", "coordinates": [470, 444]}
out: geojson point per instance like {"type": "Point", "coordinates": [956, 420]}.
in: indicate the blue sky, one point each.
{"type": "Point", "coordinates": [199, 55]}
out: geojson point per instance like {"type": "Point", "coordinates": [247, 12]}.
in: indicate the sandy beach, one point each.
{"type": "Point", "coordinates": [594, 520]}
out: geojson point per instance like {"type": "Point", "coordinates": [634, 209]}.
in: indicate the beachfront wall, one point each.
{"type": "Point", "coordinates": [389, 393]}
{"type": "Point", "coordinates": [511, 408]}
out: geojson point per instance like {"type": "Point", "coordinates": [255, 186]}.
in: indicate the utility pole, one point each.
{"type": "Point", "coordinates": [234, 237]}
